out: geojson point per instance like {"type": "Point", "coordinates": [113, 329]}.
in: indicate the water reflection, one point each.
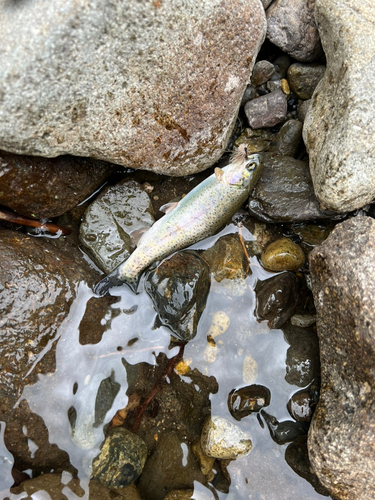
{"type": "Point", "coordinates": [94, 380]}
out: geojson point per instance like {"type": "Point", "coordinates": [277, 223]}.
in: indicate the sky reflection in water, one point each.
{"type": "Point", "coordinates": [81, 368]}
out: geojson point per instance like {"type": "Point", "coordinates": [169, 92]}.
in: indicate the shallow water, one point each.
{"type": "Point", "coordinates": [80, 369]}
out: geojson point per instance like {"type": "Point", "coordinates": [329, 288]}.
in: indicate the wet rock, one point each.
{"type": "Point", "coordinates": [37, 286]}
{"type": "Point", "coordinates": [283, 255]}
{"type": "Point", "coordinates": [172, 466]}
{"type": "Point", "coordinates": [59, 486]}
{"type": "Point", "coordinates": [267, 110]}
{"type": "Point", "coordinates": [303, 78]}
{"type": "Point", "coordinates": [226, 260]}
{"type": "Point", "coordinates": [341, 444]}
{"type": "Point", "coordinates": [340, 125]}
{"type": "Point", "coordinates": [312, 235]}
{"type": "Point", "coordinates": [121, 460]}
{"type": "Point", "coordinates": [291, 26]}
{"type": "Point", "coordinates": [169, 63]}
{"type": "Point", "coordinates": [206, 463]}
{"type": "Point", "coordinates": [303, 320]}
{"type": "Point", "coordinates": [286, 431]}
{"type": "Point", "coordinates": [107, 225]}
{"type": "Point", "coordinates": [246, 400]}
{"type": "Point", "coordinates": [303, 107]}
{"type": "Point", "coordinates": [255, 140]}
{"type": "Point", "coordinates": [302, 357]}
{"type": "Point", "coordinates": [179, 288]}
{"type": "Point", "coordinates": [262, 72]}
{"type": "Point", "coordinates": [302, 404]}
{"type": "Point", "coordinates": [179, 495]}
{"type": "Point", "coordinates": [277, 298]}
{"type": "Point", "coordinates": [223, 439]}
{"type": "Point", "coordinates": [284, 192]}
{"type": "Point", "coordinates": [250, 93]}
{"type": "Point", "coordinates": [288, 139]}
{"type": "Point", "coordinates": [199, 494]}
{"type": "Point", "coordinates": [47, 187]}
{"type": "Point", "coordinates": [296, 456]}
{"type": "Point", "coordinates": [281, 65]}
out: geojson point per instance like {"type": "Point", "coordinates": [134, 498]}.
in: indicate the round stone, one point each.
{"type": "Point", "coordinates": [121, 459]}
{"type": "Point", "coordinates": [223, 439]}
{"type": "Point", "coordinates": [283, 255]}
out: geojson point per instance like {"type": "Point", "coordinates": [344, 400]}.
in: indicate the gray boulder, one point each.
{"type": "Point", "coordinates": [341, 439]}
{"type": "Point", "coordinates": [339, 128]}
{"type": "Point", "coordinates": [291, 26]}
{"type": "Point", "coordinates": [152, 85]}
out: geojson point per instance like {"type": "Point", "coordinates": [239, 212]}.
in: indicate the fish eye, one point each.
{"type": "Point", "coordinates": [252, 165]}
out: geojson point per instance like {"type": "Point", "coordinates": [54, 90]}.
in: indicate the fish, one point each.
{"type": "Point", "coordinates": [199, 214]}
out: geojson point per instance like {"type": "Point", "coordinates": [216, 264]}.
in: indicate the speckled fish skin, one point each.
{"type": "Point", "coordinates": [199, 214]}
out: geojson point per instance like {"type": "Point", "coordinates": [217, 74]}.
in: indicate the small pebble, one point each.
{"type": "Point", "coordinates": [121, 460]}
{"type": "Point", "coordinates": [182, 368]}
{"type": "Point", "coordinates": [262, 72]}
{"type": "Point", "coordinates": [303, 320]}
{"type": "Point", "coordinates": [249, 370]}
{"type": "Point", "coordinates": [206, 463]}
{"type": "Point", "coordinates": [285, 86]}
{"type": "Point", "coordinates": [303, 78]}
{"type": "Point", "coordinates": [219, 324]}
{"type": "Point", "coordinates": [283, 255]}
{"type": "Point", "coordinates": [267, 111]}
{"type": "Point", "coordinates": [223, 439]}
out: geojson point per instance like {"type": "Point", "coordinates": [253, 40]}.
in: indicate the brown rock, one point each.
{"type": "Point", "coordinates": [47, 187]}
{"type": "Point", "coordinates": [54, 484]}
{"type": "Point", "coordinates": [341, 439]}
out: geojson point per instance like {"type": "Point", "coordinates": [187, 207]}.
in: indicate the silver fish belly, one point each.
{"type": "Point", "coordinates": [199, 214]}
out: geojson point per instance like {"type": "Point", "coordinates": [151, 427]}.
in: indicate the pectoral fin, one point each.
{"type": "Point", "coordinates": [218, 173]}
{"type": "Point", "coordinates": [137, 234]}
{"type": "Point", "coordinates": [168, 207]}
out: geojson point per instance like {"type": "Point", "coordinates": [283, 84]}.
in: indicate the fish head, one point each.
{"type": "Point", "coordinates": [244, 171]}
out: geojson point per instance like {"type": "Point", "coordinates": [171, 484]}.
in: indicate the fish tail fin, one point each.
{"type": "Point", "coordinates": [102, 288]}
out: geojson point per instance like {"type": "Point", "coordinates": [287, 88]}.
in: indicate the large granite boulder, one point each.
{"type": "Point", "coordinates": [339, 128]}
{"type": "Point", "coordinates": [152, 85]}
{"type": "Point", "coordinates": [341, 439]}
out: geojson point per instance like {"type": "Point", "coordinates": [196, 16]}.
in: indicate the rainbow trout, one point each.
{"type": "Point", "coordinates": [198, 215]}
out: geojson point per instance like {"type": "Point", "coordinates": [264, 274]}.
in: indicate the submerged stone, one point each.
{"type": "Point", "coordinates": [246, 400]}
{"type": "Point", "coordinates": [179, 289]}
{"type": "Point", "coordinates": [286, 431]}
{"type": "Point", "coordinates": [223, 439]}
{"type": "Point", "coordinates": [277, 298]}
{"type": "Point", "coordinates": [109, 221]}
{"type": "Point", "coordinates": [121, 460]}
